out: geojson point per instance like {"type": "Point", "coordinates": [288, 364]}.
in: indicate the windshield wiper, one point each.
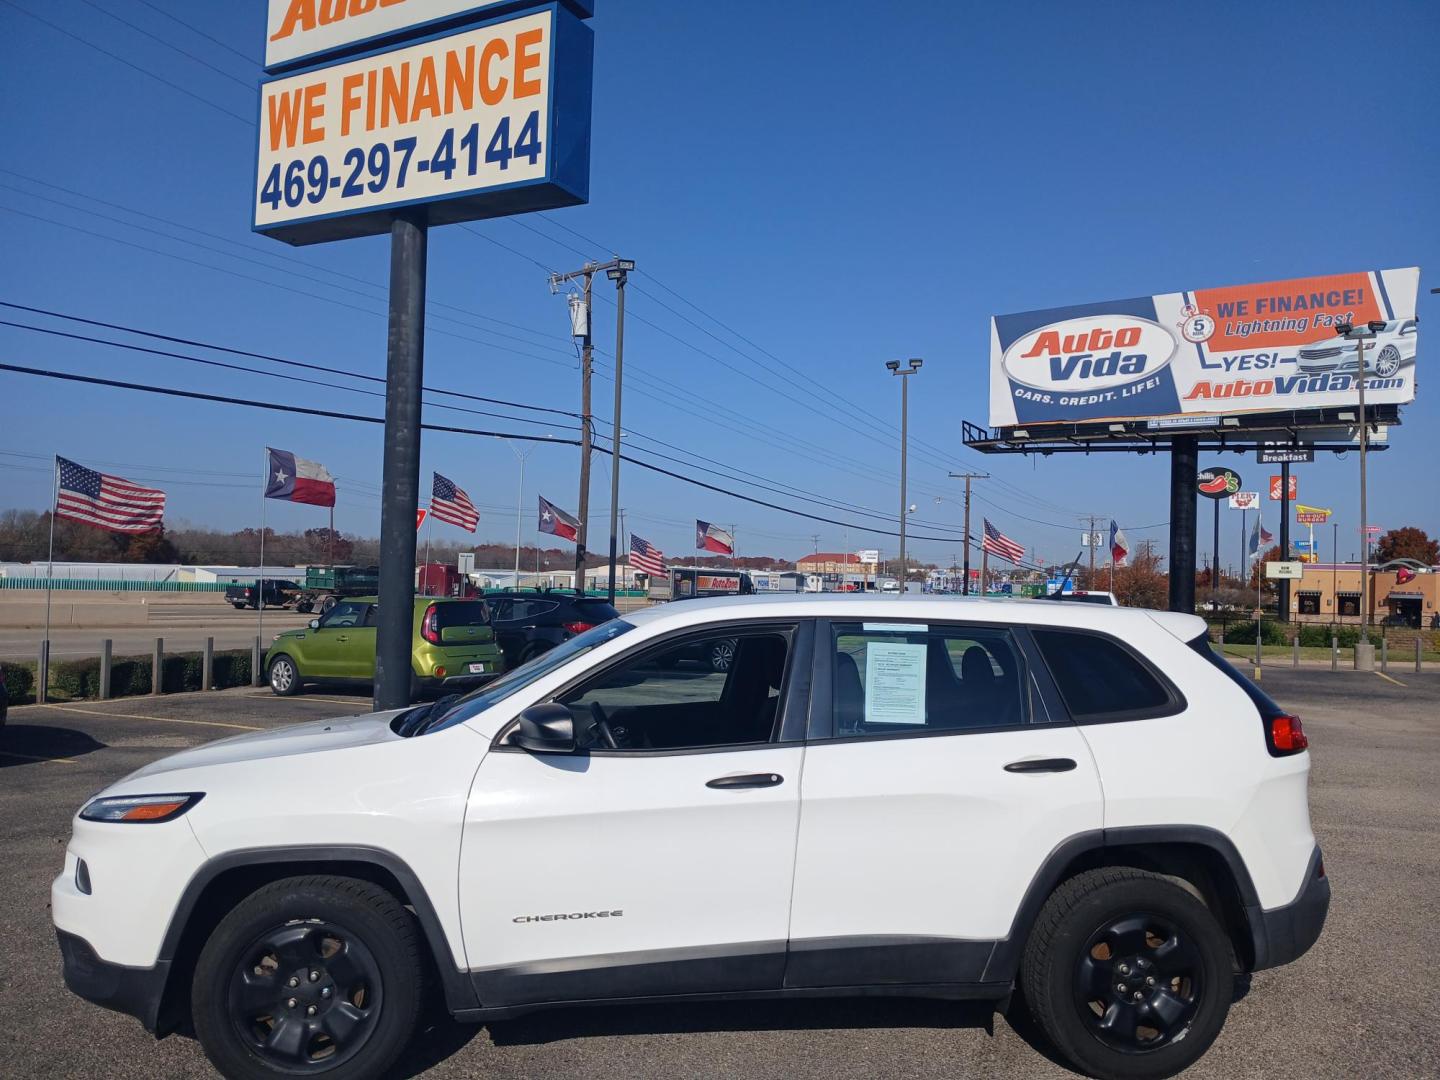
{"type": "Point", "coordinates": [434, 714]}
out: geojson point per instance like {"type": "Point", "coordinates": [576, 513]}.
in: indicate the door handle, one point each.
{"type": "Point", "coordinates": [342, 637]}
{"type": "Point", "coordinates": [1049, 764]}
{"type": "Point", "coordinates": [747, 780]}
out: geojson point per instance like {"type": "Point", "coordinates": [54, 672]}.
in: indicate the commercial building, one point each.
{"type": "Point", "coordinates": [1330, 592]}
{"type": "Point", "coordinates": [833, 562]}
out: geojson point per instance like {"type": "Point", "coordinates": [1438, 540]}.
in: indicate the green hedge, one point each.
{"type": "Point", "coordinates": [19, 682]}
{"type": "Point", "coordinates": [130, 675]}
{"type": "Point", "coordinates": [1312, 635]}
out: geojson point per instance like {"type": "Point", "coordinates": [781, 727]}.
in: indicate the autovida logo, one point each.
{"type": "Point", "coordinates": [1096, 352]}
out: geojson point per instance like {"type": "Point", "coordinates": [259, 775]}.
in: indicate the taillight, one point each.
{"type": "Point", "coordinates": [1287, 735]}
{"type": "Point", "coordinates": [427, 626]}
{"type": "Point", "coordinates": [579, 627]}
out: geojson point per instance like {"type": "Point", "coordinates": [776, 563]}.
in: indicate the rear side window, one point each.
{"type": "Point", "coordinates": [1263, 701]}
{"type": "Point", "coordinates": [915, 679]}
{"type": "Point", "coordinates": [1100, 679]}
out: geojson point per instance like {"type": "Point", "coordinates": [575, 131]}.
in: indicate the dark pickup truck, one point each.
{"type": "Point", "coordinates": [279, 592]}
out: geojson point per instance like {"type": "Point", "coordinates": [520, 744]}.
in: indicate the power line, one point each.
{"type": "Point", "coordinates": [249, 258]}
{"type": "Point", "coordinates": [269, 358]}
{"type": "Point", "coordinates": [195, 29]}
{"type": "Point", "coordinates": [155, 37]}
{"type": "Point", "coordinates": [249, 122]}
{"type": "Point", "coordinates": [269, 374]}
{"type": "Point", "coordinates": [246, 403]}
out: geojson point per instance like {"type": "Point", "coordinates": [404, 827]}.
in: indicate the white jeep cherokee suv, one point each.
{"type": "Point", "coordinates": [915, 796]}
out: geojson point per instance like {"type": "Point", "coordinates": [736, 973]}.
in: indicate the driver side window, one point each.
{"type": "Point", "coordinates": [709, 690]}
{"type": "Point", "coordinates": [343, 615]}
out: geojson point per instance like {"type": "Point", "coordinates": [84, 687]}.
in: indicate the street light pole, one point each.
{"type": "Point", "coordinates": [617, 273]}
{"type": "Point", "coordinates": [895, 369]}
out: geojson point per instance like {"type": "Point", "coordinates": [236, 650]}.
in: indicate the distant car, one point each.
{"type": "Point", "coordinates": [453, 646]}
{"type": "Point", "coordinates": [1385, 353]}
{"type": "Point", "coordinates": [1086, 596]}
{"type": "Point", "coordinates": [279, 592]}
{"type": "Point", "coordinates": [529, 624]}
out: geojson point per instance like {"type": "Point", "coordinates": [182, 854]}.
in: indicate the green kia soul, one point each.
{"type": "Point", "coordinates": [453, 646]}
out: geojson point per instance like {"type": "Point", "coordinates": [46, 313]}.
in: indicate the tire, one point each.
{"type": "Point", "coordinates": [238, 607]}
{"type": "Point", "coordinates": [722, 655]}
{"type": "Point", "coordinates": [345, 951]}
{"type": "Point", "coordinates": [1096, 934]}
{"type": "Point", "coordinates": [328, 603]}
{"type": "Point", "coordinates": [284, 676]}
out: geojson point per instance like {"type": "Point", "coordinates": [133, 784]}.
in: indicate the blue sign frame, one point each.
{"type": "Point", "coordinates": [478, 13]}
{"type": "Point", "coordinates": [567, 163]}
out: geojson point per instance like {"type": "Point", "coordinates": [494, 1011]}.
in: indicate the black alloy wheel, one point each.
{"type": "Point", "coordinates": [309, 976]}
{"type": "Point", "coordinates": [305, 995]}
{"type": "Point", "coordinates": [1128, 973]}
{"type": "Point", "coordinates": [1139, 982]}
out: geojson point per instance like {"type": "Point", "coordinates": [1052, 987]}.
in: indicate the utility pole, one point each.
{"type": "Point", "coordinates": [581, 327]}
{"type": "Point", "coordinates": [967, 477]}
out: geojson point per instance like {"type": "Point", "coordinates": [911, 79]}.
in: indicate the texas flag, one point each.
{"type": "Point", "coordinates": [713, 538]}
{"type": "Point", "coordinates": [557, 522]}
{"type": "Point", "coordinates": [1119, 544]}
{"type": "Point", "coordinates": [297, 480]}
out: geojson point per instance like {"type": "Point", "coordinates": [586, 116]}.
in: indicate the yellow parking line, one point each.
{"type": "Point", "coordinates": [31, 757]}
{"type": "Point", "coordinates": [160, 719]}
{"type": "Point", "coordinates": [1387, 678]}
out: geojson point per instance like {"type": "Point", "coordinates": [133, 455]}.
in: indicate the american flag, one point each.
{"type": "Point", "coordinates": [997, 543]}
{"type": "Point", "coordinates": [450, 503]}
{"type": "Point", "coordinates": [107, 501]}
{"type": "Point", "coordinates": [646, 557]}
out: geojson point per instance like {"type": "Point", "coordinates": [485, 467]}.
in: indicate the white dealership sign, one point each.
{"type": "Point", "coordinates": [460, 126]}
{"type": "Point", "coordinates": [299, 30]}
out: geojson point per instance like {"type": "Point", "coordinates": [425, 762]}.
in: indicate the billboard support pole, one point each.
{"type": "Point", "coordinates": [1284, 583]}
{"type": "Point", "coordinates": [1184, 453]}
{"type": "Point", "coordinates": [400, 496]}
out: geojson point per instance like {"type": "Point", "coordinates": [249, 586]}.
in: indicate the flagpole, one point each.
{"type": "Point", "coordinates": [260, 582]}
{"type": "Point", "coordinates": [43, 681]}
{"type": "Point", "coordinates": [429, 527]}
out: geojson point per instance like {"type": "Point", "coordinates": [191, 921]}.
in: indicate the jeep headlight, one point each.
{"type": "Point", "coordinates": [140, 809]}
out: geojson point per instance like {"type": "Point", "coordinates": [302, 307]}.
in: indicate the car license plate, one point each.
{"type": "Point", "coordinates": [477, 669]}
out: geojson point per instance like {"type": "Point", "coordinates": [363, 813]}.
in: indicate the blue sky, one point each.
{"type": "Point", "coordinates": [839, 183]}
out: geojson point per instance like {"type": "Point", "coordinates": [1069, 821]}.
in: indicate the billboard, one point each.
{"type": "Point", "coordinates": [478, 122]}
{"type": "Point", "coordinates": [1207, 352]}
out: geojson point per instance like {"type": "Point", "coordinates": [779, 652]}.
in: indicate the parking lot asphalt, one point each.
{"type": "Point", "coordinates": [1362, 1002]}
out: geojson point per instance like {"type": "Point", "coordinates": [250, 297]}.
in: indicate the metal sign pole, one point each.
{"type": "Point", "coordinates": [1283, 585]}
{"type": "Point", "coordinates": [405, 361]}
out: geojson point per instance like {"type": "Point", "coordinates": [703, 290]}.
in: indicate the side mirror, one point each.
{"type": "Point", "coordinates": [314, 624]}
{"type": "Point", "coordinates": [546, 729]}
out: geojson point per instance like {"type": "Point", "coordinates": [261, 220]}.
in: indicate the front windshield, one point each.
{"type": "Point", "coordinates": [476, 702]}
